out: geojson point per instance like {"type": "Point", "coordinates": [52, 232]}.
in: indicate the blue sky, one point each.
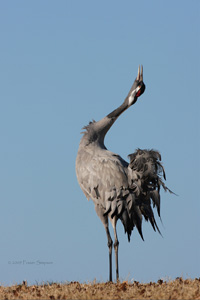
{"type": "Point", "coordinates": [62, 64]}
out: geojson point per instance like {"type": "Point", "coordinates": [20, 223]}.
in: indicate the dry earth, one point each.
{"type": "Point", "coordinates": [176, 289]}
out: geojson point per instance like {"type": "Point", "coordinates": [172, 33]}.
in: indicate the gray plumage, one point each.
{"type": "Point", "coordinates": [119, 190]}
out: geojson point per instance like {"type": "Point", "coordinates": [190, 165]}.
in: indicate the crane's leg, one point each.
{"type": "Point", "coordinates": [100, 212]}
{"type": "Point", "coordinates": [110, 243]}
{"type": "Point", "coordinates": [116, 246]}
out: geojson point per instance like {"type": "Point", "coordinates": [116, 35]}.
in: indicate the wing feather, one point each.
{"type": "Point", "coordinates": [103, 179]}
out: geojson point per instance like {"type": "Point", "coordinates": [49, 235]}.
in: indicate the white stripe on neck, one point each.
{"type": "Point", "coordinates": [132, 96]}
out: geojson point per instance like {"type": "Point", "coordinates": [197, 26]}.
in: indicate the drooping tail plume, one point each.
{"type": "Point", "coordinates": [146, 174]}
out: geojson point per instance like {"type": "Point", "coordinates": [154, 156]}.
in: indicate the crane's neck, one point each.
{"type": "Point", "coordinates": [118, 111]}
{"type": "Point", "coordinates": [96, 131]}
{"type": "Point", "coordinates": [102, 126]}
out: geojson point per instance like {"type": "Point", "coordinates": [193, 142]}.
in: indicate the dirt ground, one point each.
{"type": "Point", "coordinates": [176, 289]}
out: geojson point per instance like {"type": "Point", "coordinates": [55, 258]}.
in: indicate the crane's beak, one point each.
{"type": "Point", "coordinates": [141, 84]}
{"type": "Point", "coordinates": [140, 74]}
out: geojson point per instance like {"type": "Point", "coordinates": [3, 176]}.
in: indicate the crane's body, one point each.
{"type": "Point", "coordinates": [119, 190]}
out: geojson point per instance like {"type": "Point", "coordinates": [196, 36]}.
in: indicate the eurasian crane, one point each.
{"type": "Point", "coordinates": [119, 190]}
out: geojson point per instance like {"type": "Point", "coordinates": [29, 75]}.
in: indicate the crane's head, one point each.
{"type": "Point", "coordinates": [137, 89]}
